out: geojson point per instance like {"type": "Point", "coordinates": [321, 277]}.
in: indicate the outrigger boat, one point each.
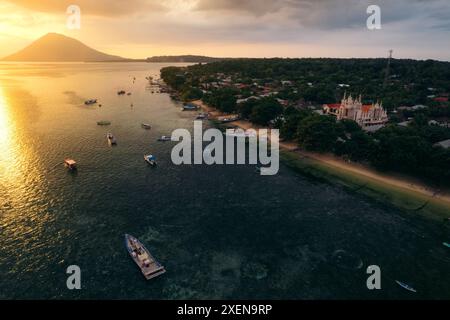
{"type": "Point", "coordinates": [89, 102]}
{"type": "Point", "coordinates": [111, 140]}
{"type": "Point", "coordinates": [405, 286]}
{"type": "Point", "coordinates": [70, 164]}
{"type": "Point", "coordinates": [151, 160]}
{"type": "Point", "coordinates": [150, 268]}
{"type": "Point", "coordinates": [146, 126]}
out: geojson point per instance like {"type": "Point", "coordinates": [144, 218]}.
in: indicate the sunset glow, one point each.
{"type": "Point", "coordinates": [301, 28]}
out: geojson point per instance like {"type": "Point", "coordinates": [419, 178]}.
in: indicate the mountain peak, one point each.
{"type": "Point", "coordinates": [55, 47]}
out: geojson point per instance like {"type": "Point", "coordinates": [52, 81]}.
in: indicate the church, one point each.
{"type": "Point", "coordinates": [370, 117]}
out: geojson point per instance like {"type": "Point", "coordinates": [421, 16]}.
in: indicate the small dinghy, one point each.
{"type": "Point", "coordinates": [150, 268]}
{"type": "Point", "coordinates": [70, 164]}
{"type": "Point", "coordinates": [103, 123]}
{"type": "Point", "coordinates": [151, 160]}
{"type": "Point", "coordinates": [405, 286]}
{"type": "Point", "coordinates": [121, 93]}
{"type": "Point", "coordinates": [165, 138]}
{"type": "Point", "coordinates": [446, 244]}
{"type": "Point", "coordinates": [111, 140]}
{"type": "Point", "coordinates": [91, 101]}
{"type": "Point", "coordinates": [146, 126]}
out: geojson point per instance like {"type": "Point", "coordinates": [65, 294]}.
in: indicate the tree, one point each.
{"type": "Point", "coordinates": [318, 133]}
{"type": "Point", "coordinates": [265, 110]}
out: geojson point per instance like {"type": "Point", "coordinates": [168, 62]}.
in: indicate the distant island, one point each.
{"type": "Point", "coordinates": [184, 58]}
{"type": "Point", "coordinates": [55, 47]}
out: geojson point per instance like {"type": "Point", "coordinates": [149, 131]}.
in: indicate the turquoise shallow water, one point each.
{"type": "Point", "coordinates": [220, 231]}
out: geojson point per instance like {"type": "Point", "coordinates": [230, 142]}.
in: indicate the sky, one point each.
{"type": "Point", "coordinates": [418, 29]}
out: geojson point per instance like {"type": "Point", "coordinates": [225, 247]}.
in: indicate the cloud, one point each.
{"type": "Point", "coordinates": [91, 7]}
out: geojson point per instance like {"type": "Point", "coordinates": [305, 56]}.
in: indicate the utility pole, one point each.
{"type": "Point", "coordinates": [388, 69]}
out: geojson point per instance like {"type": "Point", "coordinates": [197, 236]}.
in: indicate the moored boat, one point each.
{"type": "Point", "coordinates": [111, 139]}
{"type": "Point", "coordinates": [150, 159]}
{"type": "Point", "coordinates": [103, 123]}
{"type": "Point", "coordinates": [405, 286]}
{"type": "Point", "coordinates": [446, 244]}
{"type": "Point", "coordinates": [150, 268]}
{"type": "Point", "coordinates": [146, 126]}
{"type": "Point", "coordinates": [91, 101]}
{"type": "Point", "coordinates": [239, 133]}
{"type": "Point", "coordinates": [190, 107]}
{"type": "Point", "coordinates": [164, 139]}
{"type": "Point", "coordinates": [70, 164]}
{"type": "Point", "coordinates": [121, 92]}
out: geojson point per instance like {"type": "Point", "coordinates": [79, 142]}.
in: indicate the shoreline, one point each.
{"type": "Point", "coordinates": [342, 168]}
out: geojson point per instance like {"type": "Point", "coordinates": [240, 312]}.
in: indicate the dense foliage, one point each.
{"type": "Point", "coordinates": [410, 150]}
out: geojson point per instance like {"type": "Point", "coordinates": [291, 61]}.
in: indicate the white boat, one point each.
{"type": "Point", "coordinates": [239, 133]}
{"type": "Point", "coordinates": [405, 286]}
{"type": "Point", "coordinates": [70, 164]}
{"type": "Point", "coordinates": [202, 116]}
{"type": "Point", "coordinates": [150, 268]}
{"type": "Point", "coordinates": [165, 138]}
{"type": "Point", "coordinates": [150, 159]}
{"type": "Point", "coordinates": [111, 139]}
{"type": "Point", "coordinates": [190, 107]}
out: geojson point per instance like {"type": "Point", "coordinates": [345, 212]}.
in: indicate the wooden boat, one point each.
{"type": "Point", "coordinates": [121, 92]}
{"type": "Point", "coordinates": [91, 101]}
{"type": "Point", "coordinates": [150, 159]}
{"type": "Point", "coordinates": [70, 164]}
{"type": "Point", "coordinates": [146, 126]}
{"type": "Point", "coordinates": [111, 140]}
{"type": "Point", "coordinates": [103, 123]}
{"type": "Point", "coordinates": [405, 286]}
{"type": "Point", "coordinates": [150, 268]}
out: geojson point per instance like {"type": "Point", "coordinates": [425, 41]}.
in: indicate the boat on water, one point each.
{"type": "Point", "coordinates": [405, 286]}
{"type": "Point", "coordinates": [165, 138]}
{"type": "Point", "coordinates": [202, 116]}
{"type": "Point", "coordinates": [239, 133]}
{"type": "Point", "coordinates": [90, 102]}
{"type": "Point", "coordinates": [111, 139]}
{"type": "Point", "coordinates": [150, 268]}
{"type": "Point", "coordinates": [150, 159]}
{"type": "Point", "coordinates": [146, 126]}
{"type": "Point", "coordinates": [446, 244]}
{"type": "Point", "coordinates": [121, 92]}
{"type": "Point", "coordinates": [103, 123]}
{"type": "Point", "coordinates": [70, 164]}
{"type": "Point", "coordinates": [129, 94]}
{"type": "Point", "coordinates": [190, 107]}
{"type": "Point", "coordinates": [229, 119]}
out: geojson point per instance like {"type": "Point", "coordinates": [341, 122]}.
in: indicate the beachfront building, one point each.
{"type": "Point", "coordinates": [370, 117]}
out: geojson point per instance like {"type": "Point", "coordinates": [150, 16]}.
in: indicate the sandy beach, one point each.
{"type": "Point", "coordinates": [408, 184]}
